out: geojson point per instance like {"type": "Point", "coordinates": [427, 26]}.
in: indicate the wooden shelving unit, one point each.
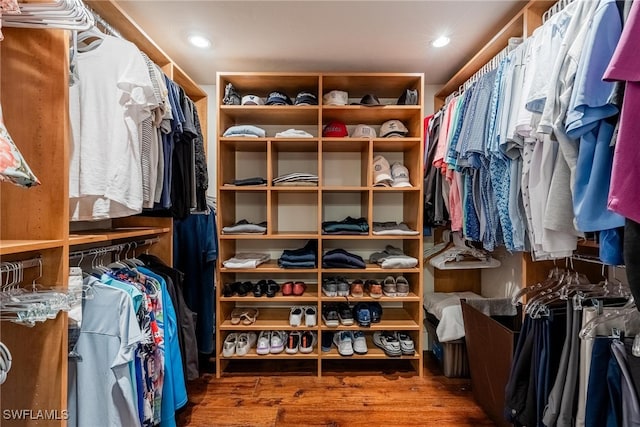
{"type": "Point", "coordinates": [35, 222]}
{"type": "Point", "coordinates": [294, 215]}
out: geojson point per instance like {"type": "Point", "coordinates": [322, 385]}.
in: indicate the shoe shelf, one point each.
{"type": "Point", "coordinates": [272, 319]}
{"type": "Point", "coordinates": [373, 352]}
{"type": "Point", "coordinates": [392, 319]}
{"type": "Point", "coordinates": [353, 300]}
{"type": "Point", "coordinates": [294, 214]}
{"type": "Point", "coordinates": [282, 355]}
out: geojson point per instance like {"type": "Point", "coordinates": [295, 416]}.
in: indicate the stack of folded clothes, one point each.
{"type": "Point", "coordinates": [339, 258]}
{"type": "Point", "coordinates": [245, 227]}
{"type": "Point", "coordinates": [256, 180]}
{"type": "Point", "coordinates": [346, 226]}
{"type": "Point", "coordinates": [246, 260]}
{"type": "Point", "coordinates": [391, 228]}
{"type": "Point", "coordinates": [248, 131]}
{"type": "Point", "coordinates": [392, 257]}
{"type": "Point", "coordinates": [305, 257]}
{"type": "Point", "coordinates": [297, 179]}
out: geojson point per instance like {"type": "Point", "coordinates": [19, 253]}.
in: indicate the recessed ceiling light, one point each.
{"type": "Point", "coordinates": [199, 41]}
{"type": "Point", "coordinates": [441, 41]}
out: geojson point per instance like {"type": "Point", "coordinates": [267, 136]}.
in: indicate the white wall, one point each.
{"type": "Point", "coordinates": [212, 158]}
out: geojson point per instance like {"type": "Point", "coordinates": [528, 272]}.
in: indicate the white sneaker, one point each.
{"type": "Point", "coordinates": [295, 315]}
{"type": "Point", "coordinates": [344, 342]}
{"type": "Point", "coordinates": [359, 343]}
{"type": "Point", "coordinates": [406, 343]}
{"type": "Point", "coordinates": [264, 342]}
{"type": "Point", "coordinates": [310, 315]}
{"type": "Point", "coordinates": [244, 342]}
{"type": "Point", "coordinates": [277, 342]}
{"type": "Point", "coordinates": [229, 346]}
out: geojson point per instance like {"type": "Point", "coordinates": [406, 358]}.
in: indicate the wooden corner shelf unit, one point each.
{"type": "Point", "coordinates": [294, 215]}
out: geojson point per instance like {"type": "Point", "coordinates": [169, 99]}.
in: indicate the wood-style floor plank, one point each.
{"type": "Point", "coordinates": [344, 400]}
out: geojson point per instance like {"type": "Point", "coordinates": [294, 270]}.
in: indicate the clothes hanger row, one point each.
{"type": "Point", "coordinates": [62, 14]}
{"type": "Point", "coordinates": [460, 255]}
{"type": "Point", "coordinates": [557, 7]}
{"type": "Point", "coordinates": [5, 362]}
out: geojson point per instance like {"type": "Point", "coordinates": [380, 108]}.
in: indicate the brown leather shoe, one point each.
{"type": "Point", "coordinates": [357, 288]}
{"type": "Point", "coordinates": [375, 288]}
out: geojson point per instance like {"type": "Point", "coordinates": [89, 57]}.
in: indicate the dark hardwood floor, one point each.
{"type": "Point", "coordinates": [346, 399]}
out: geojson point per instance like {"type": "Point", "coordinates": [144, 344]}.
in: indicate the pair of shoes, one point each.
{"type": "Point", "coordinates": [396, 287]}
{"type": "Point", "coordinates": [247, 316]}
{"type": "Point", "coordinates": [270, 342]}
{"type": "Point", "coordinates": [236, 288]}
{"type": "Point", "coordinates": [238, 343]}
{"type": "Point", "coordinates": [374, 287]}
{"type": "Point", "coordinates": [349, 342]}
{"type": "Point", "coordinates": [330, 287]}
{"type": "Point", "coordinates": [300, 341]}
{"type": "Point", "coordinates": [388, 342]}
{"type": "Point", "coordinates": [293, 288]}
{"type": "Point", "coordinates": [330, 315]}
{"type": "Point", "coordinates": [367, 313]}
{"type": "Point", "coordinates": [265, 287]}
{"type": "Point", "coordinates": [406, 343]}
{"type": "Point", "coordinates": [357, 288]}
{"type": "Point", "coordinates": [309, 312]}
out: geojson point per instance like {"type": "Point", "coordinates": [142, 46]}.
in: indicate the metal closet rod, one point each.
{"type": "Point", "coordinates": [592, 260]}
{"type": "Point", "coordinates": [113, 248]}
{"type": "Point", "coordinates": [8, 266]}
{"type": "Point", "coordinates": [557, 7]}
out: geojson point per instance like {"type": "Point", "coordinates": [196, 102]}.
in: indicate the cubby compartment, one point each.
{"type": "Point", "coordinates": [345, 163]}
{"type": "Point", "coordinates": [397, 206]}
{"type": "Point", "coordinates": [338, 205]}
{"type": "Point", "coordinates": [250, 205]}
{"type": "Point", "coordinates": [242, 159]}
{"type": "Point", "coordinates": [404, 152]}
{"type": "Point", "coordinates": [294, 156]}
{"type": "Point", "coordinates": [294, 212]}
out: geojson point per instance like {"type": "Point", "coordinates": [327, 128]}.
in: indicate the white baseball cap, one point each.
{"type": "Point", "coordinates": [363, 131]}
{"type": "Point", "coordinates": [252, 100]}
{"type": "Point", "coordinates": [400, 175]}
{"type": "Point", "coordinates": [335, 97]}
{"type": "Point", "coordinates": [393, 128]}
{"type": "Point", "coordinates": [381, 172]}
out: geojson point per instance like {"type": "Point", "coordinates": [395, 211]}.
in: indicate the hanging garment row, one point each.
{"type": "Point", "coordinates": [558, 380]}
{"type": "Point", "coordinates": [137, 142]}
{"type": "Point", "coordinates": [522, 158]}
{"type": "Point", "coordinates": [133, 346]}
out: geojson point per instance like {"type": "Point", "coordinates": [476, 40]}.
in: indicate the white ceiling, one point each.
{"type": "Point", "coordinates": [366, 36]}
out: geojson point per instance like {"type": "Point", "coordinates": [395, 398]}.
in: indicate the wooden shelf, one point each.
{"type": "Point", "coordinates": [252, 236]}
{"type": "Point", "coordinates": [356, 114]}
{"type": "Point", "coordinates": [395, 189]}
{"type": "Point", "coordinates": [258, 83]}
{"type": "Point", "coordinates": [310, 297]}
{"type": "Point", "coordinates": [268, 114]}
{"type": "Point", "coordinates": [343, 188]}
{"type": "Point", "coordinates": [96, 236]}
{"type": "Point", "coordinates": [8, 247]}
{"type": "Point", "coordinates": [268, 267]}
{"type": "Point", "coordinates": [368, 237]}
{"type": "Point", "coordinates": [371, 268]}
{"type": "Point", "coordinates": [373, 352]}
{"type": "Point", "coordinates": [252, 355]}
{"type": "Point", "coordinates": [409, 298]}
{"type": "Point", "coordinates": [275, 319]}
{"type": "Point", "coordinates": [294, 235]}
{"type": "Point", "coordinates": [393, 319]}
{"type": "Point", "coordinates": [294, 189]}
{"type": "Point", "coordinates": [394, 144]}
{"type": "Point", "coordinates": [256, 188]}
{"type": "Point", "coordinates": [244, 143]}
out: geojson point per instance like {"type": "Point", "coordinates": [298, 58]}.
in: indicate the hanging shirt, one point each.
{"type": "Point", "coordinates": [113, 96]}
{"type": "Point", "coordinates": [100, 384]}
{"type": "Point", "coordinates": [625, 65]}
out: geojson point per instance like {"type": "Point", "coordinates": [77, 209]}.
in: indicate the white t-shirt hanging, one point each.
{"type": "Point", "coordinates": [113, 95]}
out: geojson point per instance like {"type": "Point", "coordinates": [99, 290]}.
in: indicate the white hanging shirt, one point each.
{"type": "Point", "coordinates": [113, 96]}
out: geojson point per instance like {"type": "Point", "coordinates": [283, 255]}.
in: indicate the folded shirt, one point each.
{"type": "Point", "coordinates": [246, 260]}
{"type": "Point", "coordinates": [245, 131]}
{"type": "Point", "coordinates": [245, 227]}
{"type": "Point", "coordinates": [392, 257]}
{"type": "Point", "coordinates": [340, 258]}
{"type": "Point", "coordinates": [296, 176]}
{"type": "Point", "coordinates": [256, 180]}
{"type": "Point", "coordinates": [288, 264]}
{"type": "Point", "coordinates": [346, 226]}
{"type": "Point", "coordinates": [293, 133]}
{"type": "Point", "coordinates": [296, 184]}
{"type": "Point", "coordinates": [391, 228]}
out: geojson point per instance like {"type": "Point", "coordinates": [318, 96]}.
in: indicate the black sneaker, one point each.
{"type": "Point", "coordinates": [327, 341]}
{"type": "Point", "coordinates": [293, 341]}
{"type": "Point", "coordinates": [376, 312]}
{"type": "Point", "coordinates": [330, 315]}
{"type": "Point", "coordinates": [344, 313]}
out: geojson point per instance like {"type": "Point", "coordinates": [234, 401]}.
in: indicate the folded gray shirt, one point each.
{"type": "Point", "coordinates": [245, 227]}
{"type": "Point", "coordinates": [392, 228]}
{"type": "Point", "coordinates": [392, 257]}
